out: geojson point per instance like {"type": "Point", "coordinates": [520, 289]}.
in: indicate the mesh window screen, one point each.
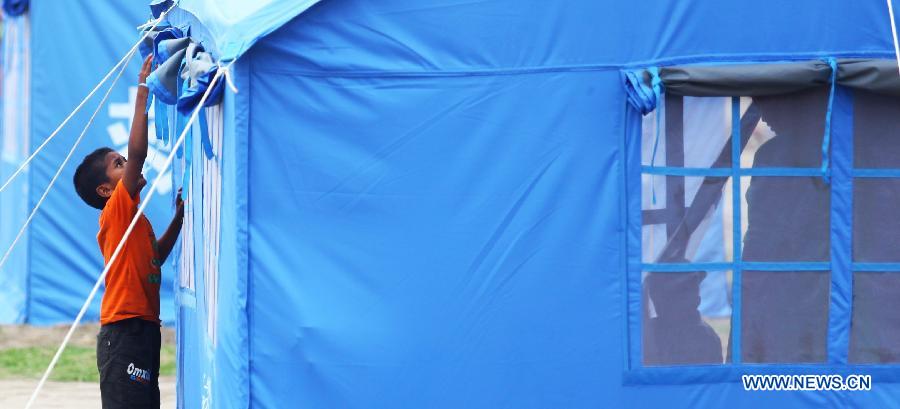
{"type": "Point", "coordinates": [875, 326]}
{"type": "Point", "coordinates": [676, 332]}
{"type": "Point", "coordinates": [787, 219]}
{"type": "Point", "coordinates": [692, 134]}
{"type": "Point", "coordinates": [694, 215]}
{"type": "Point", "coordinates": [876, 133]}
{"type": "Point", "coordinates": [784, 316]}
{"type": "Point", "coordinates": [790, 132]}
{"type": "Point", "coordinates": [875, 323]}
{"type": "Point", "coordinates": [876, 227]}
{"type": "Point", "coordinates": [759, 224]}
{"type": "Point", "coordinates": [688, 222]}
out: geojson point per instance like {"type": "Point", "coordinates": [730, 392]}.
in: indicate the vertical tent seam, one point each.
{"type": "Point", "coordinates": [632, 276]}
{"type": "Point", "coordinates": [737, 269]}
{"type": "Point", "coordinates": [242, 232]}
{"type": "Point", "coordinates": [841, 232]}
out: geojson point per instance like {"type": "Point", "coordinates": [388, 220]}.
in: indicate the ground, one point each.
{"type": "Point", "coordinates": [25, 352]}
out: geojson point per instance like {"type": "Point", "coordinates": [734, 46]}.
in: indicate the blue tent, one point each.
{"type": "Point", "coordinates": [490, 204]}
{"type": "Point", "coordinates": [456, 204]}
{"type": "Point", "coordinates": [54, 53]}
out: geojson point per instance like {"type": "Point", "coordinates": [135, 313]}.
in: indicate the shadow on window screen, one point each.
{"type": "Point", "coordinates": [875, 325]}
{"type": "Point", "coordinates": [784, 313]}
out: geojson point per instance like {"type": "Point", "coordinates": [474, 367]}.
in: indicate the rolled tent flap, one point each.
{"type": "Point", "coordinates": [163, 46]}
{"type": "Point", "coordinates": [639, 87]}
{"type": "Point", "coordinates": [183, 73]}
{"type": "Point", "coordinates": [874, 75]}
{"type": "Point", "coordinates": [169, 47]}
{"type": "Point", "coordinates": [196, 75]}
{"type": "Point", "coordinates": [744, 79]}
{"type": "Point", "coordinates": [879, 76]}
{"type": "Point", "coordinates": [163, 81]}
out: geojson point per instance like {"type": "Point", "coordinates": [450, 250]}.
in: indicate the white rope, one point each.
{"type": "Point", "coordinates": [894, 34]}
{"type": "Point", "coordinates": [83, 101]}
{"type": "Point", "coordinates": [63, 165]}
{"type": "Point", "coordinates": [229, 80]}
{"type": "Point", "coordinates": [121, 244]}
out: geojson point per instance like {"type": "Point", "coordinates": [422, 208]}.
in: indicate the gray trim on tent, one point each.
{"type": "Point", "coordinates": [873, 75]}
{"type": "Point", "coordinates": [880, 76]}
{"type": "Point", "coordinates": [745, 79]}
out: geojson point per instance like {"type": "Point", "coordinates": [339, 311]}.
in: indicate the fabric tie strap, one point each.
{"type": "Point", "coordinates": [826, 139]}
{"type": "Point", "coordinates": [656, 85]}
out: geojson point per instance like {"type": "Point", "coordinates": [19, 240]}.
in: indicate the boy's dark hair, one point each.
{"type": "Point", "coordinates": [90, 174]}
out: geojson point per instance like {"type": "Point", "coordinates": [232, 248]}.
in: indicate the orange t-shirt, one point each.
{"type": "Point", "coordinates": [132, 283]}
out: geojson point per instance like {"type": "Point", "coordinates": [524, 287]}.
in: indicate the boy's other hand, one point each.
{"type": "Point", "coordinates": [167, 241]}
{"type": "Point", "coordinates": [145, 69]}
{"type": "Point", "coordinates": [179, 203]}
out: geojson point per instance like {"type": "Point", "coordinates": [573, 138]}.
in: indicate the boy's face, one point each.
{"type": "Point", "coordinates": [115, 169]}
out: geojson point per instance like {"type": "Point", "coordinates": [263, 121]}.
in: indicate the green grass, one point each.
{"type": "Point", "coordinates": [75, 364]}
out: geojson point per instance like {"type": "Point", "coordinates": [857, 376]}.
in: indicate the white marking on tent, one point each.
{"type": "Point", "coordinates": [53, 134]}
{"type": "Point", "coordinates": [894, 34]}
{"type": "Point", "coordinates": [62, 166]}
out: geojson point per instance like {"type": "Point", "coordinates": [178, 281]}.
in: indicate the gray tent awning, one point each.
{"type": "Point", "coordinates": [745, 79]}
{"type": "Point", "coordinates": [872, 75]}
{"type": "Point", "coordinates": [879, 76]}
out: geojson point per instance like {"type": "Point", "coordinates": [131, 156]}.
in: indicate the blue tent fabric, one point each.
{"type": "Point", "coordinates": [166, 49]}
{"type": "Point", "coordinates": [640, 94]}
{"type": "Point", "coordinates": [235, 25]}
{"type": "Point", "coordinates": [150, 43]}
{"type": "Point", "coordinates": [61, 257]}
{"type": "Point", "coordinates": [157, 7]}
{"type": "Point", "coordinates": [432, 204]}
{"type": "Point", "coordinates": [163, 81]}
{"type": "Point", "coordinates": [199, 70]}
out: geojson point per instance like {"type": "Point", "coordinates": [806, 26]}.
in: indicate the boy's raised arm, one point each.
{"type": "Point", "coordinates": [137, 142]}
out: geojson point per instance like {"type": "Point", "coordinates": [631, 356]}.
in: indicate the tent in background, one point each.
{"type": "Point", "coordinates": [54, 53]}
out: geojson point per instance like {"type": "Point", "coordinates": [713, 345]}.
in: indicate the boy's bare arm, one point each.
{"type": "Point", "coordinates": [137, 142]}
{"type": "Point", "coordinates": [166, 242]}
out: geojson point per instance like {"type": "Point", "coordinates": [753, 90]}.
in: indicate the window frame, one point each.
{"type": "Point", "coordinates": [842, 173]}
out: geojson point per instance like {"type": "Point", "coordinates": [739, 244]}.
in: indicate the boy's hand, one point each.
{"type": "Point", "coordinates": [145, 69]}
{"type": "Point", "coordinates": [166, 242]}
{"type": "Point", "coordinates": [179, 203]}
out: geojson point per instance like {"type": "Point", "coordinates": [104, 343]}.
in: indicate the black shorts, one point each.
{"type": "Point", "coordinates": [128, 361]}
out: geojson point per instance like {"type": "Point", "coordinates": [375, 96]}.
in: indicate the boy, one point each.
{"type": "Point", "coordinates": [129, 340]}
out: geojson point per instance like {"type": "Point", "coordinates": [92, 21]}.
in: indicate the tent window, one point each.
{"type": "Point", "coordinates": [707, 240]}
{"type": "Point", "coordinates": [875, 326]}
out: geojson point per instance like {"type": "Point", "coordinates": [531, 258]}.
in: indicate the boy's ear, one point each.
{"type": "Point", "coordinates": [105, 190]}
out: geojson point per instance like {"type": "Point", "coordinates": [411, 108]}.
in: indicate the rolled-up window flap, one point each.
{"type": "Point", "coordinates": [745, 79]}
{"type": "Point", "coordinates": [752, 80]}
{"type": "Point", "coordinates": [878, 76]}
{"type": "Point", "coordinates": [639, 91]}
